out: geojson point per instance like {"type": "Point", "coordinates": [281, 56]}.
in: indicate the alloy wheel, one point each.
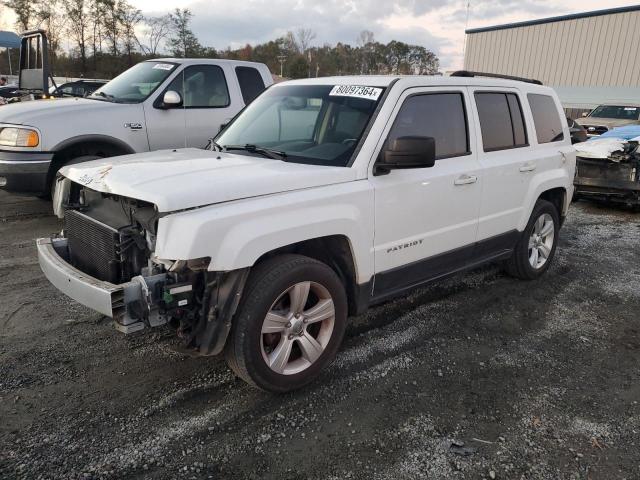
{"type": "Point", "coordinates": [297, 328]}
{"type": "Point", "coordinates": [541, 241]}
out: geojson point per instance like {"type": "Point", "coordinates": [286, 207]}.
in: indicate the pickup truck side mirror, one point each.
{"type": "Point", "coordinates": [408, 152]}
{"type": "Point", "coordinates": [171, 99]}
{"type": "Point", "coordinates": [584, 114]}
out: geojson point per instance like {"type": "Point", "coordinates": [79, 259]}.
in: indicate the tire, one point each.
{"type": "Point", "coordinates": [284, 358]}
{"type": "Point", "coordinates": [524, 263]}
{"type": "Point", "coordinates": [73, 161]}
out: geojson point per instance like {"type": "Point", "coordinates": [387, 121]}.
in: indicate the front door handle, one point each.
{"type": "Point", "coordinates": [528, 167]}
{"type": "Point", "coordinates": [465, 179]}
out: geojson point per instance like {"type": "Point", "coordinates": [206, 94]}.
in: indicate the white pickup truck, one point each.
{"type": "Point", "coordinates": [323, 197]}
{"type": "Point", "coordinates": [157, 104]}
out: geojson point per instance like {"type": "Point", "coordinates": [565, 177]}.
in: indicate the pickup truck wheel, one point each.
{"type": "Point", "coordinates": [73, 161]}
{"type": "Point", "coordinates": [537, 245]}
{"type": "Point", "coordinates": [289, 325]}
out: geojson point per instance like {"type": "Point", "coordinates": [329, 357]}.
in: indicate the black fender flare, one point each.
{"type": "Point", "coordinates": [116, 142]}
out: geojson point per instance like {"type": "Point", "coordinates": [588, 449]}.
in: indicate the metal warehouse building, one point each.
{"type": "Point", "coordinates": [589, 58]}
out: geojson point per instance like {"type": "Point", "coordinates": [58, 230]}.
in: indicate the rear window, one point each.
{"type": "Point", "coordinates": [545, 118]}
{"type": "Point", "coordinates": [251, 83]}
{"type": "Point", "coordinates": [501, 121]}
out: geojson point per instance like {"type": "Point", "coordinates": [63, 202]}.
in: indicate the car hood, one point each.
{"type": "Point", "coordinates": [33, 112]}
{"type": "Point", "coordinates": [606, 122]}
{"type": "Point", "coordinates": [187, 178]}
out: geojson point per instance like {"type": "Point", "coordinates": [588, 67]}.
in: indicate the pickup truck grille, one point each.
{"type": "Point", "coordinates": [93, 246]}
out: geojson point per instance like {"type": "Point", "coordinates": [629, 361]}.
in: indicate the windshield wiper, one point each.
{"type": "Point", "coordinates": [267, 152]}
{"type": "Point", "coordinates": [106, 96]}
{"type": "Point", "coordinates": [213, 145]}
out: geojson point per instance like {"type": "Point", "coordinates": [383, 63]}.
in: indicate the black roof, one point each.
{"type": "Point", "coordinates": [561, 18]}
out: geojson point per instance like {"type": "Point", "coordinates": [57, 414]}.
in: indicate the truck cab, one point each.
{"type": "Point", "coordinates": [156, 104]}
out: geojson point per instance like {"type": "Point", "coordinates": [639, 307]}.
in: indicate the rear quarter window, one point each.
{"type": "Point", "coordinates": [546, 118]}
{"type": "Point", "coordinates": [251, 83]}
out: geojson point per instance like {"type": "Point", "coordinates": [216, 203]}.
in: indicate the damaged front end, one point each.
{"type": "Point", "coordinates": [609, 172]}
{"type": "Point", "coordinates": [104, 259]}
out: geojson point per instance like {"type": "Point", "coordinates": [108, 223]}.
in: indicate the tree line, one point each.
{"type": "Point", "coordinates": [101, 38]}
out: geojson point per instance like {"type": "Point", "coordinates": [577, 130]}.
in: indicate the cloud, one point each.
{"type": "Point", "coordinates": [435, 24]}
{"type": "Point", "coordinates": [234, 23]}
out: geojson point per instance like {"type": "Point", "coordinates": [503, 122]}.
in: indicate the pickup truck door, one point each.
{"type": "Point", "coordinates": [165, 126]}
{"type": "Point", "coordinates": [426, 218]}
{"type": "Point", "coordinates": [208, 101]}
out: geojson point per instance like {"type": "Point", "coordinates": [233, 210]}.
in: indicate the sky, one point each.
{"type": "Point", "coordinates": [435, 24]}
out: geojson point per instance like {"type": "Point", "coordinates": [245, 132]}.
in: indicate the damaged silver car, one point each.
{"type": "Point", "coordinates": [608, 168]}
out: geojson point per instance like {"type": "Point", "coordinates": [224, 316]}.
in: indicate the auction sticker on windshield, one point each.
{"type": "Point", "coordinates": [163, 66]}
{"type": "Point", "coordinates": [358, 91]}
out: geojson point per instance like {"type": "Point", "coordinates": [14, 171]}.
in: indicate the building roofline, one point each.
{"type": "Point", "coordinates": [573, 16]}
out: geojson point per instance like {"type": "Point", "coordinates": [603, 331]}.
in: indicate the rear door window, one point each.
{"type": "Point", "coordinates": [251, 83]}
{"type": "Point", "coordinates": [546, 118]}
{"type": "Point", "coordinates": [501, 121]}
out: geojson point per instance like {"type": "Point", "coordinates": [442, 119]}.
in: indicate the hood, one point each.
{"type": "Point", "coordinates": [31, 113]}
{"type": "Point", "coordinates": [187, 178]}
{"type": "Point", "coordinates": [606, 122]}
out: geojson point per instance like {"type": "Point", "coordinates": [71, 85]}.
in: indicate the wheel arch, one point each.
{"type": "Point", "coordinates": [100, 145]}
{"type": "Point", "coordinates": [558, 197]}
{"type": "Point", "coordinates": [552, 187]}
{"type": "Point", "coordinates": [335, 251]}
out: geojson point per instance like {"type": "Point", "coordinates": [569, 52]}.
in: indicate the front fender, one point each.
{"type": "Point", "coordinates": [236, 234]}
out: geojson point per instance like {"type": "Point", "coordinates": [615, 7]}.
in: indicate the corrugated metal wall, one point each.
{"type": "Point", "coordinates": [597, 51]}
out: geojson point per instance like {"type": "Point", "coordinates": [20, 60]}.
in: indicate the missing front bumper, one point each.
{"type": "Point", "coordinates": [103, 297]}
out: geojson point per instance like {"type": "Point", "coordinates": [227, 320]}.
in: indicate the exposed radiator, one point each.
{"type": "Point", "coordinates": [93, 246]}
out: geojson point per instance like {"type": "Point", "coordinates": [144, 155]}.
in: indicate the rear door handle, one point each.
{"type": "Point", "coordinates": [528, 167]}
{"type": "Point", "coordinates": [465, 179]}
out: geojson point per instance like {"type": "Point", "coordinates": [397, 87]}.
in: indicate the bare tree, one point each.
{"type": "Point", "coordinates": [50, 17]}
{"type": "Point", "coordinates": [24, 11]}
{"type": "Point", "coordinates": [155, 31]}
{"type": "Point", "coordinates": [111, 22]}
{"type": "Point", "coordinates": [365, 38]}
{"type": "Point", "coordinates": [365, 41]}
{"type": "Point", "coordinates": [130, 17]}
{"type": "Point", "coordinates": [97, 14]}
{"type": "Point", "coordinates": [78, 26]}
{"type": "Point", "coordinates": [304, 37]}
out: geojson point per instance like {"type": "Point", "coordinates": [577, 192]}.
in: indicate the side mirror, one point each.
{"type": "Point", "coordinates": [584, 114]}
{"type": "Point", "coordinates": [408, 152]}
{"type": "Point", "coordinates": [171, 99]}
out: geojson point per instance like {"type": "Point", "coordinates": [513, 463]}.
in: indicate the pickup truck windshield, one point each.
{"type": "Point", "coordinates": [136, 84]}
{"type": "Point", "coordinates": [313, 124]}
{"type": "Point", "coordinates": [617, 112]}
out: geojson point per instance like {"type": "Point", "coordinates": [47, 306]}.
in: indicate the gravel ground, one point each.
{"type": "Point", "coordinates": [478, 377]}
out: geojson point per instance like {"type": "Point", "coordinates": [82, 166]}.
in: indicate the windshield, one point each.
{"type": "Point", "coordinates": [136, 84]}
{"type": "Point", "coordinates": [313, 124]}
{"type": "Point", "coordinates": [617, 112]}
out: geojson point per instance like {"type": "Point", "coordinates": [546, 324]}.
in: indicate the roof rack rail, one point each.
{"type": "Point", "coordinates": [467, 73]}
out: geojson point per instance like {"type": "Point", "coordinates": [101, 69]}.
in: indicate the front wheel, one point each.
{"type": "Point", "coordinates": [537, 245]}
{"type": "Point", "coordinates": [289, 325]}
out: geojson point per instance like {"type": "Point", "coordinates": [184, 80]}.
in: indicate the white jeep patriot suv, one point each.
{"type": "Point", "coordinates": [323, 197]}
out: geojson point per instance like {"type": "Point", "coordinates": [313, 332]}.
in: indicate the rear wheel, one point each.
{"type": "Point", "coordinates": [290, 323]}
{"type": "Point", "coordinates": [534, 252]}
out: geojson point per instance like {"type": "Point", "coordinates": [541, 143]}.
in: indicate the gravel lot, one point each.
{"type": "Point", "coordinates": [480, 377]}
